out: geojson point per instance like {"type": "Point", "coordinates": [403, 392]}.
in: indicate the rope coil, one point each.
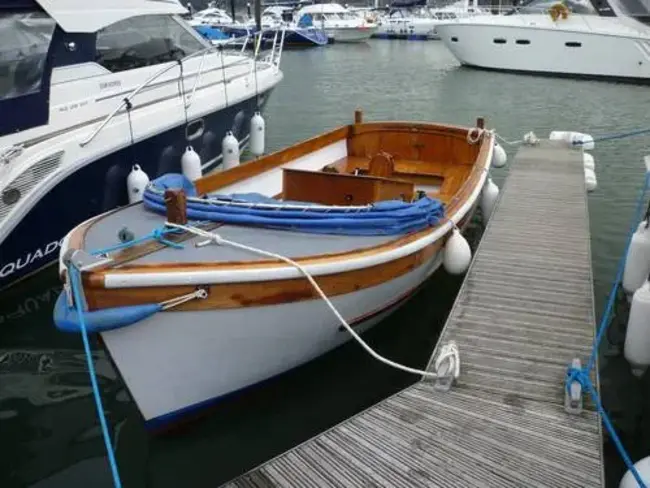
{"type": "Point", "coordinates": [474, 130]}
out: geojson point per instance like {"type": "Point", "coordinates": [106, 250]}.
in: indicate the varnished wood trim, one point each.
{"type": "Point", "coordinates": [136, 252]}
{"type": "Point", "coordinates": [482, 165]}
{"type": "Point", "coordinates": [77, 237]}
{"type": "Point", "coordinates": [236, 295]}
{"type": "Point", "coordinates": [96, 279]}
{"type": "Point", "coordinates": [218, 180]}
{"type": "Point", "coordinates": [412, 127]}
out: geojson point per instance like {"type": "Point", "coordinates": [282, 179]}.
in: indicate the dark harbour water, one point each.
{"type": "Point", "coordinates": [48, 428]}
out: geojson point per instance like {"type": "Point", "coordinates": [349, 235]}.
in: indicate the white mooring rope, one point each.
{"type": "Point", "coordinates": [448, 354]}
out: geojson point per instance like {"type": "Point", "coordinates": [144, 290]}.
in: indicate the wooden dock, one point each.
{"type": "Point", "coordinates": [524, 311]}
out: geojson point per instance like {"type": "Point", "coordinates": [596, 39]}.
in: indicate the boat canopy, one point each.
{"type": "Point", "coordinates": [78, 16]}
{"type": "Point", "coordinates": [639, 9]}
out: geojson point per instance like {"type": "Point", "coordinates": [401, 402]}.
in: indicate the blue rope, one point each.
{"type": "Point", "coordinates": [581, 375]}
{"type": "Point", "coordinates": [75, 283]}
{"type": "Point", "coordinates": [604, 320]}
{"type": "Point", "coordinates": [621, 135]}
{"type": "Point", "coordinates": [157, 234]}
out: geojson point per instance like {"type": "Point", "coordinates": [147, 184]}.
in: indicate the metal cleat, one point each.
{"type": "Point", "coordinates": [447, 366]}
{"type": "Point", "coordinates": [573, 393]}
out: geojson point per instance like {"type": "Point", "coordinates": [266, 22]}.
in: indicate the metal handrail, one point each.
{"type": "Point", "coordinates": [188, 100]}
{"type": "Point", "coordinates": [281, 48]}
{"type": "Point", "coordinates": [126, 100]}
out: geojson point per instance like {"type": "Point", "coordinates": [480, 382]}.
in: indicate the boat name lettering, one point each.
{"type": "Point", "coordinates": [73, 106]}
{"type": "Point", "coordinates": [110, 84]}
{"type": "Point", "coordinates": [30, 258]}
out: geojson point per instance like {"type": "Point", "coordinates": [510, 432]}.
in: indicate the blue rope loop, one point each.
{"type": "Point", "coordinates": [75, 284]}
{"type": "Point", "coordinates": [157, 234]}
{"type": "Point", "coordinates": [621, 135]}
{"type": "Point", "coordinates": [582, 375]}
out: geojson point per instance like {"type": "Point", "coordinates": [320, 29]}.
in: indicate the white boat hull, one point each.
{"type": "Point", "coordinates": [177, 362]}
{"type": "Point", "coordinates": [349, 34]}
{"type": "Point", "coordinates": [415, 29]}
{"type": "Point", "coordinates": [602, 48]}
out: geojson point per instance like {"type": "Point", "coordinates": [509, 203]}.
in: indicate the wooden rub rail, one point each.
{"type": "Point", "coordinates": [524, 311]}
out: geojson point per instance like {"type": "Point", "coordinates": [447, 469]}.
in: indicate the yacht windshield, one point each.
{"type": "Point", "coordinates": [577, 6]}
{"type": "Point", "coordinates": [24, 42]}
{"type": "Point", "coordinates": [640, 9]}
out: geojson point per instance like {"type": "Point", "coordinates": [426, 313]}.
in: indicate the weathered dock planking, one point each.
{"type": "Point", "coordinates": [524, 311]}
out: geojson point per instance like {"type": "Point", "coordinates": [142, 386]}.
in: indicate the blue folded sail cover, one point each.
{"type": "Point", "coordinates": [391, 217]}
{"type": "Point", "coordinates": [67, 319]}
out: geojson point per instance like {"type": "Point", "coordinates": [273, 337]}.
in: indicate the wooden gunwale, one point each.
{"type": "Point", "coordinates": [95, 281]}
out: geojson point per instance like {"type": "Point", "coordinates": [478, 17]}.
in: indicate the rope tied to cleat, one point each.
{"type": "Point", "coordinates": [447, 364]}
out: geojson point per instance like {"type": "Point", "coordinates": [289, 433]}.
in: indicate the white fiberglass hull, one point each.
{"type": "Point", "coordinates": [413, 29]}
{"type": "Point", "coordinates": [349, 34]}
{"type": "Point", "coordinates": [176, 363]}
{"type": "Point", "coordinates": [596, 47]}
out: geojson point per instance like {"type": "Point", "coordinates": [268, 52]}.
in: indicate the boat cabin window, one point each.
{"type": "Point", "coordinates": [638, 9]}
{"type": "Point", "coordinates": [24, 43]}
{"type": "Point", "coordinates": [144, 41]}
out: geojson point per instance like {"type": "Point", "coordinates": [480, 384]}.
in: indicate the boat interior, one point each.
{"type": "Point", "coordinates": [380, 161]}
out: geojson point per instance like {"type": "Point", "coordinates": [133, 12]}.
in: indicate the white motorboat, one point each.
{"type": "Point", "coordinates": [407, 19]}
{"type": "Point", "coordinates": [577, 38]}
{"type": "Point", "coordinates": [211, 16]}
{"type": "Point", "coordinates": [90, 88]}
{"type": "Point", "coordinates": [339, 23]}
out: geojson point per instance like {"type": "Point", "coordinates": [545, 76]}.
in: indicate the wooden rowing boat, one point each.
{"type": "Point", "coordinates": [188, 318]}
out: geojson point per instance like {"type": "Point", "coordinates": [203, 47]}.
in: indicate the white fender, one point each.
{"type": "Point", "coordinates": [230, 151]}
{"type": "Point", "coordinates": [643, 468]}
{"type": "Point", "coordinates": [258, 130]}
{"type": "Point", "coordinates": [637, 261]}
{"type": "Point", "coordinates": [457, 254]}
{"type": "Point", "coordinates": [637, 337]}
{"type": "Point", "coordinates": [588, 161]}
{"type": "Point", "coordinates": [136, 183]}
{"type": "Point", "coordinates": [582, 140]}
{"type": "Point", "coordinates": [590, 180]}
{"type": "Point", "coordinates": [499, 156]}
{"type": "Point", "coordinates": [575, 138]}
{"type": "Point", "coordinates": [191, 164]}
{"type": "Point", "coordinates": [489, 197]}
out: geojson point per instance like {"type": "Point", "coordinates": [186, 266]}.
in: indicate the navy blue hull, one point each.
{"type": "Point", "coordinates": [305, 38]}
{"type": "Point", "coordinates": [101, 186]}
{"type": "Point", "coordinates": [293, 38]}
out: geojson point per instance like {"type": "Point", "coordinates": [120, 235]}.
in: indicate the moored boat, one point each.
{"type": "Point", "coordinates": [89, 87]}
{"type": "Point", "coordinates": [212, 286]}
{"type": "Point", "coordinates": [337, 22]}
